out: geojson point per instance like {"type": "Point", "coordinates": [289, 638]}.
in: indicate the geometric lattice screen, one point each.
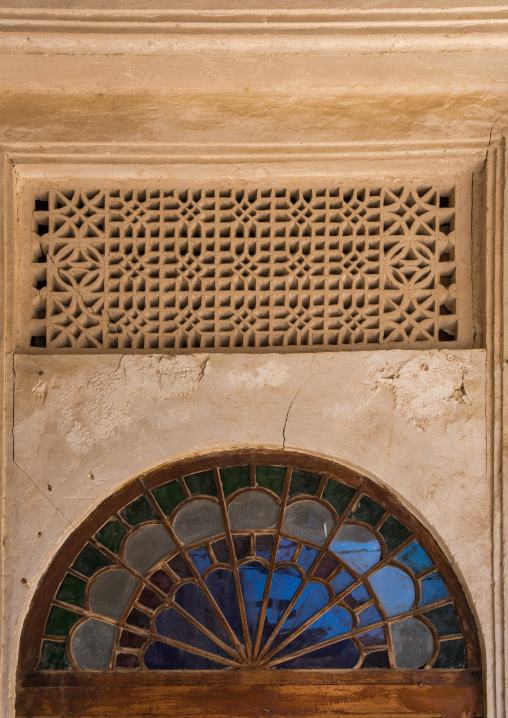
{"type": "Point", "coordinates": [253, 565]}
{"type": "Point", "coordinates": [208, 268]}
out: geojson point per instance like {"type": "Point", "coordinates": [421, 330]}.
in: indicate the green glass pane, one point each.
{"type": "Point", "coordinates": [338, 495]}
{"type": "Point", "coordinates": [393, 532]}
{"type": "Point", "coordinates": [168, 496]}
{"type": "Point", "coordinates": [451, 654]}
{"type": "Point", "coordinates": [367, 510]}
{"type": "Point", "coordinates": [111, 535]}
{"type": "Point", "coordinates": [90, 560]}
{"type": "Point", "coordinates": [302, 482]}
{"type": "Point", "coordinates": [60, 621]}
{"type": "Point", "coordinates": [444, 619]}
{"type": "Point", "coordinates": [234, 478]}
{"type": "Point", "coordinates": [271, 477]}
{"type": "Point", "coordinates": [54, 657]}
{"type": "Point", "coordinates": [72, 590]}
{"type": "Point", "coordinates": [138, 511]}
{"type": "Point", "coordinates": [202, 483]}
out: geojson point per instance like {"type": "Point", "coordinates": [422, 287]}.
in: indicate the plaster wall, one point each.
{"type": "Point", "coordinates": [415, 421]}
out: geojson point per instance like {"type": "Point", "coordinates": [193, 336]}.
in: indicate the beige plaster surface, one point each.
{"type": "Point", "coordinates": [415, 421]}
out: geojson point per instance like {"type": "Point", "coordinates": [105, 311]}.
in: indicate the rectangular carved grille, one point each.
{"type": "Point", "coordinates": [244, 268]}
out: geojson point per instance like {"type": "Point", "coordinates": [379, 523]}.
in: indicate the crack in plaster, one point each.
{"type": "Point", "coordinates": [424, 389]}
{"type": "Point", "coordinates": [293, 401]}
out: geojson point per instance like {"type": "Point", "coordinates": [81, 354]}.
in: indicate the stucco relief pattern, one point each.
{"type": "Point", "coordinates": [244, 268]}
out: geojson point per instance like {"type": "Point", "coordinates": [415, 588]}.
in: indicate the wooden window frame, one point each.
{"type": "Point", "coordinates": [349, 692]}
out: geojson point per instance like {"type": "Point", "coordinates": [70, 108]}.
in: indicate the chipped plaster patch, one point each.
{"type": "Point", "coordinates": [270, 374]}
{"type": "Point", "coordinates": [93, 410]}
{"type": "Point", "coordinates": [426, 388]}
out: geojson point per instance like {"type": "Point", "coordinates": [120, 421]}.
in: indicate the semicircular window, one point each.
{"type": "Point", "coordinates": [256, 565]}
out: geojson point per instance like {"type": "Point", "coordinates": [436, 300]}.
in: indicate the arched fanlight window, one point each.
{"type": "Point", "coordinates": [249, 561]}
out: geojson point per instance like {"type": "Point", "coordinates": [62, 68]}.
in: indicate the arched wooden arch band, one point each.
{"type": "Point", "coordinates": [367, 541]}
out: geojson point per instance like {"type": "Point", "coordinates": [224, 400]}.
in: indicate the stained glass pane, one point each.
{"type": "Point", "coordinates": [368, 511]}
{"type": "Point", "coordinates": [200, 559]}
{"type": "Point", "coordinates": [393, 532]}
{"type": "Point", "coordinates": [271, 477]}
{"type": "Point", "coordinates": [357, 546]}
{"type": "Point", "coordinates": [90, 560]}
{"type": "Point", "coordinates": [413, 644]}
{"type": "Point", "coordinates": [308, 520]}
{"type": "Point", "coordinates": [160, 656]}
{"type": "Point", "coordinates": [339, 655]}
{"type": "Point", "coordinates": [302, 482]}
{"type": "Point", "coordinates": [197, 521]}
{"type": "Point", "coordinates": [111, 535]}
{"type": "Point", "coordinates": [191, 598]}
{"type": "Point", "coordinates": [432, 589]}
{"type": "Point", "coordinates": [376, 659]}
{"type": "Point", "coordinates": [307, 557]}
{"type": "Point", "coordinates": [54, 657]}
{"type": "Point", "coordinates": [444, 620]}
{"type": "Point", "coordinates": [139, 511]}
{"type": "Point", "coordinates": [168, 496]}
{"type": "Point", "coordinates": [264, 546]}
{"type": "Point", "coordinates": [221, 584]}
{"type": "Point", "coordinates": [147, 546]}
{"type": "Point", "coordinates": [451, 654]}
{"type": "Point", "coordinates": [111, 592]}
{"type": "Point", "coordinates": [199, 607]}
{"type": "Point", "coordinates": [253, 580]}
{"type": "Point", "coordinates": [92, 645]}
{"type": "Point", "coordinates": [394, 588]}
{"type": "Point", "coordinates": [253, 510]}
{"type": "Point", "coordinates": [60, 621]}
{"type": "Point", "coordinates": [72, 590]}
{"type": "Point", "coordinates": [414, 557]}
{"type": "Point", "coordinates": [234, 478]}
{"type": "Point", "coordinates": [338, 495]}
{"type": "Point", "coordinates": [202, 483]}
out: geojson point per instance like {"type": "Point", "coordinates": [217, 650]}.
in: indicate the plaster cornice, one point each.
{"type": "Point", "coordinates": [153, 32]}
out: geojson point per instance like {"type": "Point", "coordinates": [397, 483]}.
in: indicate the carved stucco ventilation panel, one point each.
{"type": "Point", "coordinates": [251, 268]}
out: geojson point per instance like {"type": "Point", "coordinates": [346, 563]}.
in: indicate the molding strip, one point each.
{"type": "Point", "coordinates": [162, 32]}
{"type": "Point", "coordinates": [495, 331]}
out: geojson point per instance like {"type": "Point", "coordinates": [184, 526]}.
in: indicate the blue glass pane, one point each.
{"type": "Point", "coordinates": [414, 557]}
{"type": "Point", "coordinates": [339, 655]}
{"type": "Point", "coordinates": [394, 588]}
{"type": "Point", "coordinates": [341, 581]}
{"type": "Point", "coordinates": [264, 546]}
{"type": "Point", "coordinates": [253, 579]}
{"type": "Point", "coordinates": [313, 598]}
{"type": "Point", "coordinates": [357, 597]}
{"type": "Point", "coordinates": [357, 546]}
{"type": "Point", "coordinates": [160, 656]}
{"type": "Point", "coordinates": [376, 637]}
{"type": "Point", "coordinates": [285, 582]}
{"type": "Point", "coordinates": [286, 550]}
{"type": "Point", "coordinates": [368, 616]}
{"type": "Point", "coordinates": [307, 557]}
{"type": "Point", "coordinates": [200, 559]}
{"type": "Point", "coordinates": [333, 623]}
{"type": "Point", "coordinates": [221, 584]}
{"type": "Point", "coordinates": [432, 589]}
{"type": "Point", "coordinates": [170, 624]}
{"type": "Point", "coordinates": [191, 598]}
